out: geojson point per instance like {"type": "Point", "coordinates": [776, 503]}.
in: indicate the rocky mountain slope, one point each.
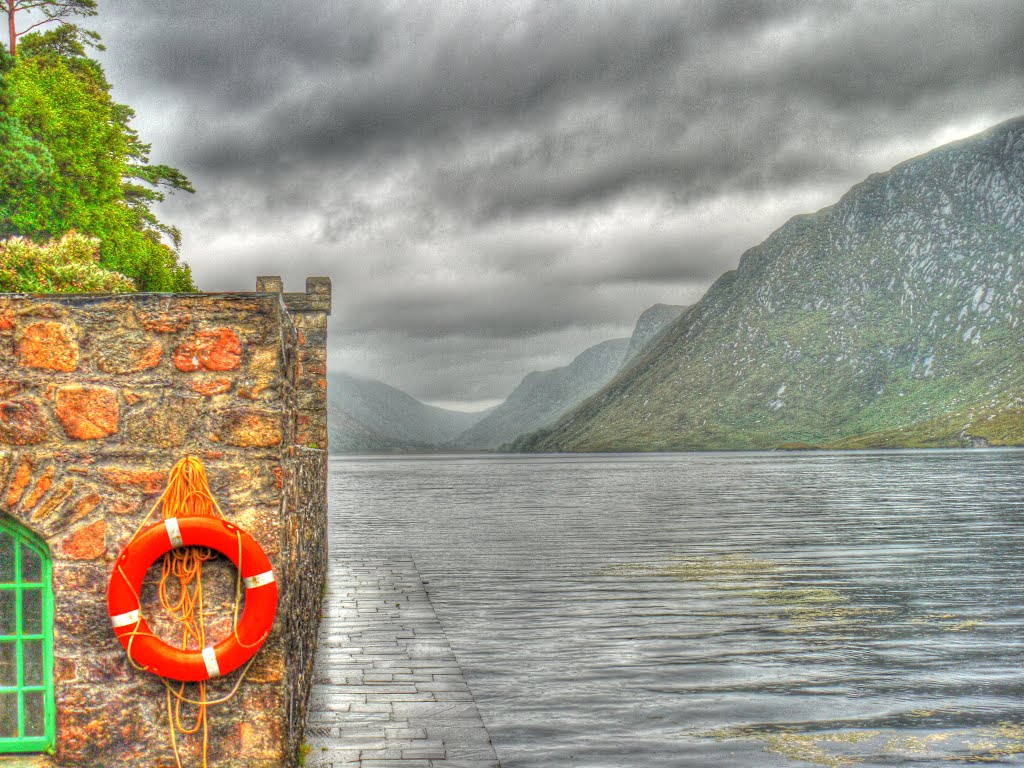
{"type": "Point", "coordinates": [892, 318]}
{"type": "Point", "coordinates": [543, 396]}
{"type": "Point", "coordinates": [367, 416]}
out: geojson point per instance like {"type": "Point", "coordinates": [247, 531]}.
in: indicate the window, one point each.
{"type": "Point", "coordinates": [27, 722]}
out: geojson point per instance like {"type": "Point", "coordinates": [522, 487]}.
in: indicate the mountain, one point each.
{"type": "Point", "coordinates": [653, 320]}
{"type": "Point", "coordinates": [349, 435]}
{"type": "Point", "coordinates": [368, 416]}
{"type": "Point", "coordinates": [543, 396]}
{"type": "Point", "coordinates": [892, 318]}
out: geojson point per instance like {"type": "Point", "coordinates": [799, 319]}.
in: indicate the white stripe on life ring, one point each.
{"type": "Point", "coordinates": [259, 580]}
{"type": "Point", "coordinates": [210, 657]}
{"type": "Point", "coordinates": [125, 619]}
{"type": "Point", "coordinates": [173, 532]}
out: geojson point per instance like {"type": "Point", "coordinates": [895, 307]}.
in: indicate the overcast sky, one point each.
{"type": "Point", "coordinates": [495, 186]}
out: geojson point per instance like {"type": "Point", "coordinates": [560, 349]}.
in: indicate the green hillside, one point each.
{"type": "Point", "coordinates": [893, 318]}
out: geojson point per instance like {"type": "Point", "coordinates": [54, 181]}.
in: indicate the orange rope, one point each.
{"type": "Point", "coordinates": [188, 495]}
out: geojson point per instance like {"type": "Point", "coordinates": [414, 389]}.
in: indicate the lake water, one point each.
{"type": "Point", "coordinates": [760, 609]}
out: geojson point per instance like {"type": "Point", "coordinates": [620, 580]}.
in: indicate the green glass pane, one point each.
{"type": "Point", "coordinates": [8, 617]}
{"type": "Point", "coordinates": [31, 566]}
{"type": "Point", "coordinates": [8, 664]}
{"type": "Point", "coordinates": [8, 715]}
{"type": "Point", "coordinates": [31, 611]}
{"type": "Point", "coordinates": [32, 661]}
{"type": "Point", "coordinates": [35, 713]}
{"type": "Point", "coordinates": [6, 558]}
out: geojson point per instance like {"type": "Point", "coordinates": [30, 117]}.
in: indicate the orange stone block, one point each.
{"type": "Point", "coordinates": [87, 543]}
{"type": "Point", "coordinates": [216, 350]}
{"type": "Point", "coordinates": [85, 505]}
{"type": "Point", "coordinates": [253, 388]}
{"type": "Point", "coordinates": [127, 479]}
{"type": "Point", "coordinates": [54, 500]}
{"type": "Point", "coordinates": [6, 319]}
{"type": "Point", "coordinates": [125, 506]}
{"type": "Point", "coordinates": [87, 413]}
{"type": "Point", "coordinates": [48, 345]}
{"type": "Point", "coordinates": [41, 487]}
{"type": "Point", "coordinates": [19, 483]}
{"type": "Point", "coordinates": [210, 387]}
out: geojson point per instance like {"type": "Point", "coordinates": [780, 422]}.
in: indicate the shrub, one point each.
{"type": "Point", "coordinates": [67, 265]}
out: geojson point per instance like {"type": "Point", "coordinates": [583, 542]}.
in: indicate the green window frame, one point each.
{"type": "Point", "coordinates": [27, 711]}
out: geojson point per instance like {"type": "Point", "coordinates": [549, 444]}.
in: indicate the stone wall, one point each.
{"type": "Point", "coordinates": [99, 397]}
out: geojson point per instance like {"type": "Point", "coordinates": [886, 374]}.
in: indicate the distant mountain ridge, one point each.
{"type": "Point", "coordinates": [543, 396]}
{"type": "Point", "coordinates": [368, 416]}
{"type": "Point", "coordinates": [892, 318]}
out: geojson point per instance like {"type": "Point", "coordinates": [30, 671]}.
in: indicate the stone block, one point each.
{"type": "Point", "coordinates": [126, 352]}
{"type": "Point", "coordinates": [86, 412]}
{"type": "Point", "coordinates": [269, 284]}
{"type": "Point", "coordinates": [166, 322]}
{"type": "Point", "coordinates": [23, 421]}
{"type": "Point", "coordinates": [86, 543]}
{"type": "Point", "coordinates": [166, 423]}
{"type": "Point", "coordinates": [215, 350]}
{"type": "Point", "coordinates": [43, 484]}
{"type": "Point", "coordinates": [210, 386]}
{"type": "Point", "coordinates": [48, 345]}
{"type": "Point", "coordinates": [250, 428]}
{"type": "Point", "coordinates": [20, 481]}
{"type": "Point", "coordinates": [264, 362]}
{"type": "Point", "coordinates": [135, 478]}
{"type": "Point", "coordinates": [53, 501]}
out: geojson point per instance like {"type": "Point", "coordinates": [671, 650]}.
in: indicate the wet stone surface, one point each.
{"type": "Point", "coordinates": [388, 690]}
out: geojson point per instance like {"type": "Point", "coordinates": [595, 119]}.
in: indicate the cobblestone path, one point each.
{"type": "Point", "coordinates": [389, 692]}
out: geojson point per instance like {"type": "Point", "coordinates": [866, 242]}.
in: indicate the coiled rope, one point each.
{"type": "Point", "coordinates": [188, 495]}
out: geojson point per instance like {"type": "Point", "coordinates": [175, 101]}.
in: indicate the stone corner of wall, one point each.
{"type": "Point", "coordinates": [317, 297]}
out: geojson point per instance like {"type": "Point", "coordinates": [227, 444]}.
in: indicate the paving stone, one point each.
{"type": "Point", "coordinates": [389, 692]}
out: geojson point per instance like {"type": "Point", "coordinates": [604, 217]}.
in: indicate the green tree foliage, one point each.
{"type": "Point", "coordinates": [67, 265]}
{"type": "Point", "coordinates": [24, 162]}
{"type": "Point", "coordinates": [81, 166]}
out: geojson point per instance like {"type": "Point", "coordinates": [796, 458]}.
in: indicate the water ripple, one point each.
{"type": "Point", "coordinates": [718, 609]}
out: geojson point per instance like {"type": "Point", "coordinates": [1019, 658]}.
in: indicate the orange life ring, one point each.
{"type": "Point", "coordinates": [152, 653]}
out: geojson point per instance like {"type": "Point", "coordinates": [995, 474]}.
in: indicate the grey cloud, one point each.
{"type": "Point", "coordinates": [494, 186]}
{"type": "Point", "coordinates": [476, 368]}
{"type": "Point", "coordinates": [705, 161]}
{"type": "Point", "coordinates": [495, 311]}
{"type": "Point", "coordinates": [897, 60]}
{"type": "Point", "coordinates": [312, 79]}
